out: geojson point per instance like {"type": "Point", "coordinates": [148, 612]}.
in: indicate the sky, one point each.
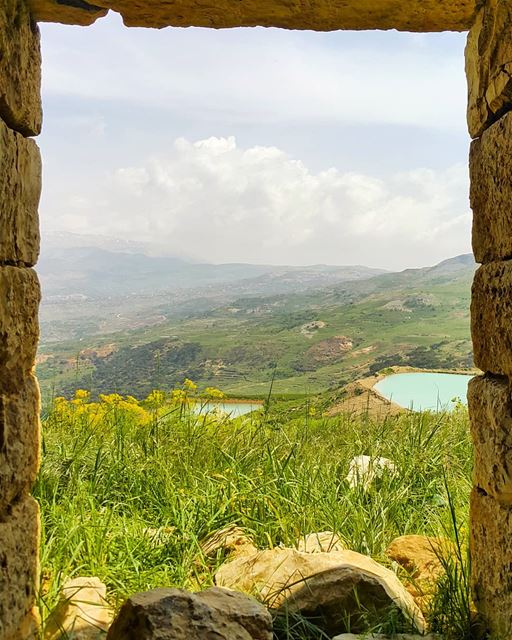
{"type": "Point", "coordinates": [258, 145]}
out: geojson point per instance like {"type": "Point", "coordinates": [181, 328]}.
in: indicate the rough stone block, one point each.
{"type": "Point", "coordinates": [30, 628]}
{"type": "Point", "coordinates": [82, 13]}
{"type": "Point", "coordinates": [490, 410]}
{"type": "Point", "coordinates": [19, 330]}
{"type": "Point", "coordinates": [489, 65]}
{"type": "Point", "coordinates": [19, 565]}
{"type": "Point", "coordinates": [491, 318]}
{"type": "Point", "coordinates": [20, 68]}
{"type": "Point", "coordinates": [491, 560]}
{"type": "Point", "coordinates": [82, 613]}
{"type": "Point", "coordinates": [162, 614]}
{"type": "Point", "coordinates": [490, 164]}
{"type": "Point", "coordinates": [19, 441]}
{"type": "Point", "coordinates": [321, 15]}
{"type": "Point", "coordinates": [20, 189]}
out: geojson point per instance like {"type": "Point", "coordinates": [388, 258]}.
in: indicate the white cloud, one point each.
{"type": "Point", "coordinates": [222, 203]}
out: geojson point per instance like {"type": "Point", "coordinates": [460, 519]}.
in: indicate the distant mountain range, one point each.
{"type": "Point", "coordinates": [78, 269]}
{"type": "Point", "coordinates": [74, 266]}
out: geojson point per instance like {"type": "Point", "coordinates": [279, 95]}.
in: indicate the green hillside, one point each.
{"type": "Point", "coordinates": [306, 342]}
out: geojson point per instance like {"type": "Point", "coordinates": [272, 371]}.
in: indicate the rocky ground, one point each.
{"type": "Point", "coordinates": [256, 592]}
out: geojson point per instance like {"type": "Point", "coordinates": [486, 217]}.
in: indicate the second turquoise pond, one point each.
{"type": "Point", "coordinates": [233, 409]}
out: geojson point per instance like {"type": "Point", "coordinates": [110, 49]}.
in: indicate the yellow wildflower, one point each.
{"type": "Point", "coordinates": [155, 399]}
{"type": "Point", "coordinates": [111, 398]}
{"type": "Point", "coordinates": [188, 385]}
{"type": "Point", "coordinates": [213, 392]}
{"type": "Point", "coordinates": [178, 396]}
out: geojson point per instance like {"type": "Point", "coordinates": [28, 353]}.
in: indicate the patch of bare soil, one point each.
{"type": "Point", "coordinates": [361, 398]}
{"type": "Point", "coordinates": [363, 351]}
{"type": "Point", "coordinates": [309, 329]}
{"type": "Point", "coordinates": [330, 350]}
{"type": "Point", "coordinates": [396, 305]}
{"type": "Point", "coordinates": [99, 352]}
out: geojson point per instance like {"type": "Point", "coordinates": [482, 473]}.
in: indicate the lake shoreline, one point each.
{"type": "Point", "coordinates": [362, 397]}
{"type": "Point", "coordinates": [397, 371]}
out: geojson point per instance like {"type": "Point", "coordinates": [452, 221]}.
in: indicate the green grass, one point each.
{"type": "Point", "coordinates": [111, 470]}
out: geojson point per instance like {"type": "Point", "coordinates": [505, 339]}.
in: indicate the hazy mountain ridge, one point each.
{"type": "Point", "coordinates": [457, 270]}
{"type": "Point", "coordinates": [97, 272]}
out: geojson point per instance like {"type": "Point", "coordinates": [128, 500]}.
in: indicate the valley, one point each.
{"type": "Point", "coordinates": [301, 330]}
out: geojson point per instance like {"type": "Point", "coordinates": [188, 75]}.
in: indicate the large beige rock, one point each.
{"type": "Point", "coordinates": [420, 556]}
{"type": "Point", "coordinates": [490, 409]}
{"type": "Point", "coordinates": [19, 441]}
{"type": "Point", "coordinates": [20, 68]}
{"type": "Point", "coordinates": [323, 15]}
{"type": "Point", "coordinates": [491, 554]}
{"type": "Point", "coordinates": [20, 188]}
{"type": "Point", "coordinates": [172, 614]}
{"type": "Point", "coordinates": [19, 329]}
{"type": "Point", "coordinates": [229, 541]}
{"type": "Point", "coordinates": [82, 613]}
{"type": "Point", "coordinates": [322, 586]}
{"type": "Point", "coordinates": [491, 318]}
{"type": "Point", "coordinates": [489, 65]}
{"type": "Point", "coordinates": [490, 166]}
{"type": "Point", "coordinates": [321, 542]}
{"type": "Point", "coordinates": [19, 565]}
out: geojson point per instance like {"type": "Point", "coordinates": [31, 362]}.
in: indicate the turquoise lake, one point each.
{"type": "Point", "coordinates": [420, 391]}
{"type": "Point", "coordinates": [233, 409]}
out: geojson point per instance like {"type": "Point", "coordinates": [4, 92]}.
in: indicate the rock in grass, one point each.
{"type": "Point", "coordinates": [336, 591]}
{"type": "Point", "coordinates": [364, 470]}
{"type": "Point", "coordinates": [82, 613]}
{"type": "Point", "coordinates": [173, 614]}
{"type": "Point", "coordinates": [421, 557]}
{"type": "Point", "coordinates": [322, 542]}
{"type": "Point", "coordinates": [229, 541]}
{"type": "Point", "coordinates": [158, 536]}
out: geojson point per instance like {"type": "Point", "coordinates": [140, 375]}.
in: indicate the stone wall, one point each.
{"type": "Point", "coordinates": [489, 72]}
{"type": "Point", "coordinates": [20, 186]}
{"type": "Point", "coordinates": [320, 15]}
